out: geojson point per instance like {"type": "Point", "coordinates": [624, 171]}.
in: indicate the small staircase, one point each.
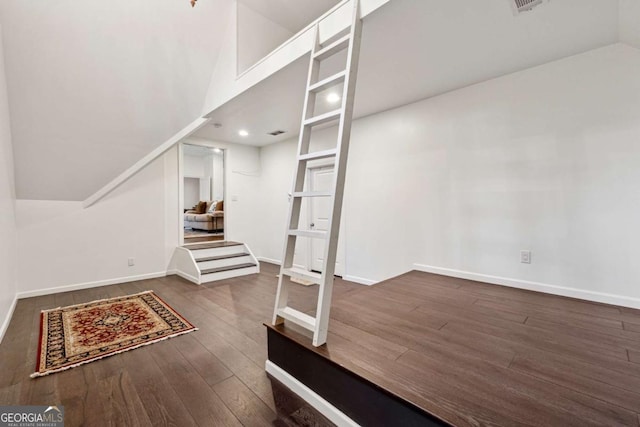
{"type": "Point", "coordinates": [207, 262]}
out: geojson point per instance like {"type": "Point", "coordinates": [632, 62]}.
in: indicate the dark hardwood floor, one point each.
{"type": "Point", "coordinates": [214, 376]}
{"type": "Point", "coordinates": [472, 353]}
{"type": "Point", "coordinates": [478, 354]}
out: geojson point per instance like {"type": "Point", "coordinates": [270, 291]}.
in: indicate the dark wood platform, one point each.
{"type": "Point", "coordinates": [470, 353]}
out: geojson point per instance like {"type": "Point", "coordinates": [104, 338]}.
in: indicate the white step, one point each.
{"type": "Point", "coordinates": [313, 194]}
{"type": "Point", "coordinates": [223, 261]}
{"type": "Point", "coordinates": [323, 118]}
{"type": "Point", "coordinates": [205, 278]}
{"type": "Point", "coordinates": [210, 252]}
{"type": "Point", "coordinates": [309, 233]}
{"type": "Point", "coordinates": [318, 155]}
{"type": "Point", "coordinates": [333, 48]}
{"type": "Point", "coordinates": [331, 81]}
{"type": "Point", "coordinates": [304, 274]}
{"type": "Point", "coordinates": [298, 317]}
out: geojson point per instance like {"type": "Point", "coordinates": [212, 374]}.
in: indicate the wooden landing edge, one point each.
{"type": "Point", "coordinates": [358, 398]}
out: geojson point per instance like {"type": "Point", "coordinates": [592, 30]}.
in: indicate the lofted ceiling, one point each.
{"type": "Point", "coordinates": [414, 49]}
{"type": "Point", "coordinates": [96, 85]}
{"type": "Point", "coordinates": [293, 15]}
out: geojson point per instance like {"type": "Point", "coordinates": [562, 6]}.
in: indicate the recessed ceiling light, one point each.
{"type": "Point", "coordinates": [333, 98]}
{"type": "Point", "coordinates": [243, 133]}
{"type": "Point", "coordinates": [217, 150]}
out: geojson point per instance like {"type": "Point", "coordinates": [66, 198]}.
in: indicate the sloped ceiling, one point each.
{"type": "Point", "coordinates": [293, 15]}
{"type": "Point", "coordinates": [96, 85]}
{"type": "Point", "coordinates": [415, 49]}
{"type": "Point", "coordinates": [630, 22]}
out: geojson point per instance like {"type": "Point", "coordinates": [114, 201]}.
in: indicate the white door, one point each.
{"type": "Point", "coordinates": [321, 179]}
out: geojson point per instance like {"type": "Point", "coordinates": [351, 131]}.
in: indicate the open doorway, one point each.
{"type": "Point", "coordinates": [203, 193]}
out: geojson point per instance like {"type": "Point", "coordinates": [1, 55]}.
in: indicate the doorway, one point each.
{"type": "Point", "coordinates": [203, 193]}
{"type": "Point", "coordinates": [321, 179]}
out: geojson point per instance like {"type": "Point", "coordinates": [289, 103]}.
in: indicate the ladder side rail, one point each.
{"type": "Point", "coordinates": [295, 204]}
{"type": "Point", "coordinates": [344, 135]}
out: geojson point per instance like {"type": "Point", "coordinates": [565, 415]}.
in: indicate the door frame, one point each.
{"type": "Point", "coordinates": [181, 176]}
{"type": "Point", "coordinates": [319, 164]}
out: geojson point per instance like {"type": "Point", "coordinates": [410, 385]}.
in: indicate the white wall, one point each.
{"type": "Point", "coordinates": [75, 247]}
{"type": "Point", "coordinates": [107, 96]}
{"type": "Point", "coordinates": [61, 243]}
{"type": "Point", "coordinates": [544, 159]}
{"type": "Point", "coordinates": [193, 166]}
{"type": "Point", "coordinates": [191, 192]}
{"type": "Point", "coordinates": [629, 22]}
{"type": "Point", "coordinates": [257, 36]}
{"type": "Point", "coordinates": [7, 207]}
{"type": "Point", "coordinates": [218, 176]}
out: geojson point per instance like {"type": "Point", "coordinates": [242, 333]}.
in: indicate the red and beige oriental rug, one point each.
{"type": "Point", "coordinates": [82, 333]}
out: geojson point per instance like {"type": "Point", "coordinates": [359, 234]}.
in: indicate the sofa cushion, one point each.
{"type": "Point", "coordinates": [201, 207]}
{"type": "Point", "coordinates": [220, 206]}
{"type": "Point", "coordinates": [198, 218]}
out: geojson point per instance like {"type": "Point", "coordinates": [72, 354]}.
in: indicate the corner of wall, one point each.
{"type": "Point", "coordinates": [224, 72]}
{"type": "Point", "coordinates": [8, 241]}
{"type": "Point", "coordinates": [628, 19]}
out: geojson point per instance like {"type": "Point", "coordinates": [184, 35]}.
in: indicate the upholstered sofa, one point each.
{"type": "Point", "coordinates": [209, 217]}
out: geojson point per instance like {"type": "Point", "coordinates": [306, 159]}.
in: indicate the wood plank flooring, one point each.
{"type": "Point", "coordinates": [214, 376]}
{"type": "Point", "coordinates": [478, 354]}
{"type": "Point", "coordinates": [472, 353]}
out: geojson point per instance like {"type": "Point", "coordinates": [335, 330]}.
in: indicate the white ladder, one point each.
{"type": "Point", "coordinates": [351, 42]}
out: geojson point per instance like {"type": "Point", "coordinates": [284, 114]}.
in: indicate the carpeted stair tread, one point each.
{"type": "Point", "coordinates": [219, 257]}
{"type": "Point", "coordinates": [211, 245]}
{"type": "Point", "coordinates": [227, 268]}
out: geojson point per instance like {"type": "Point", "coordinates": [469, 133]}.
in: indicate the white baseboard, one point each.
{"type": "Point", "coordinates": [269, 260]}
{"type": "Point", "coordinates": [359, 280]}
{"type": "Point", "coordinates": [7, 319]}
{"type": "Point", "coordinates": [354, 279]}
{"type": "Point", "coordinates": [87, 285]}
{"type": "Point", "coordinates": [311, 397]}
{"type": "Point", "coordinates": [188, 277]}
{"type": "Point", "coordinates": [534, 286]}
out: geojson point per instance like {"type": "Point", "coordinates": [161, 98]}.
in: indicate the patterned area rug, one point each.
{"type": "Point", "coordinates": [78, 334]}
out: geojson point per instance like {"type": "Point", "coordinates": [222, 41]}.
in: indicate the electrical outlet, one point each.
{"type": "Point", "coordinates": [525, 257]}
{"type": "Point", "coordinates": [132, 262]}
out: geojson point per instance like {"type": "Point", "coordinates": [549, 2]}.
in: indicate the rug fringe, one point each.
{"type": "Point", "coordinates": [84, 362]}
{"type": "Point", "coordinates": [95, 301]}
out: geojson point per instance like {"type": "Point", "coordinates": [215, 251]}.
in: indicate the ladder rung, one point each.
{"type": "Point", "coordinates": [318, 155]}
{"type": "Point", "coordinates": [298, 272]}
{"type": "Point", "coordinates": [308, 233]}
{"type": "Point", "coordinates": [298, 317]}
{"type": "Point", "coordinates": [313, 194]}
{"type": "Point", "coordinates": [333, 48]}
{"type": "Point", "coordinates": [328, 82]}
{"type": "Point", "coordinates": [323, 118]}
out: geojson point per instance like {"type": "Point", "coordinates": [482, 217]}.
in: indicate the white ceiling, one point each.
{"type": "Point", "coordinates": [414, 49]}
{"type": "Point", "coordinates": [96, 85]}
{"type": "Point", "coordinates": [293, 15]}
{"type": "Point", "coordinates": [199, 150]}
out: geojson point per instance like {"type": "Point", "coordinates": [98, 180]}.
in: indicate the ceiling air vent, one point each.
{"type": "Point", "coordinates": [276, 132]}
{"type": "Point", "coordinates": [520, 6]}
